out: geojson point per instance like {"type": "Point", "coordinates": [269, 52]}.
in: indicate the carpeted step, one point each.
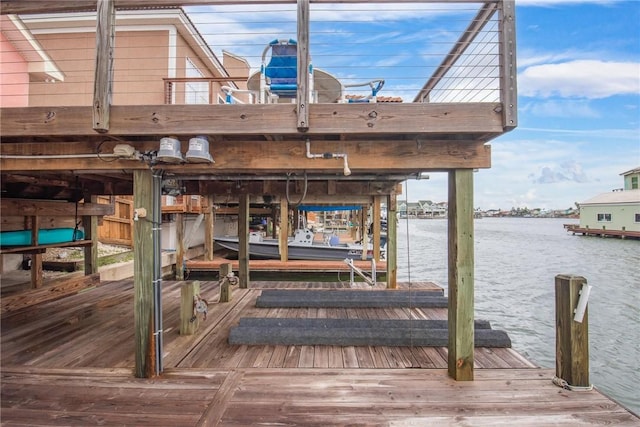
{"type": "Point", "coordinates": [378, 333]}
{"type": "Point", "coordinates": [285, 298]}
{"type": "Point", "coordinates": [333, 323]}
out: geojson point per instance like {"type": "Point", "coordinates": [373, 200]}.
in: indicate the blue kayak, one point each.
{"type": "Point", "coordinates": [45, 237]}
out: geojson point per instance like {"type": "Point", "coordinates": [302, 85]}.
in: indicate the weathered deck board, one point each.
{"type": "Point", "coordinates": [309, 397]}
{"type": "Point", "coordinates": [55, 372]}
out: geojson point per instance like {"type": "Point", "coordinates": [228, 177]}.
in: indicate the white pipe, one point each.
{"type": "Point", "coordinates": [346, 169]}
{"type": "Point", "coordinates": [581, 308]}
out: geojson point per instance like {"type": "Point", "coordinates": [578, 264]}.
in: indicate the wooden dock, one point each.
{"type": "Point", "coordinates": [274, 265]}
{"type": "Point", "coordinates": [622, 234]}
{"type": "Point", "coordinates": [71, 362]}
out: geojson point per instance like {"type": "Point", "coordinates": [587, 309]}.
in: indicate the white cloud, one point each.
{"type": "Point", "coordinates": [560, 108]}
{"type": "Point", "coordinates": [592, 79]}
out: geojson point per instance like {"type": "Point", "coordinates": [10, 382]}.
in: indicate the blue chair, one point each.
{"type": "Point", "coordinates": [279, 77]}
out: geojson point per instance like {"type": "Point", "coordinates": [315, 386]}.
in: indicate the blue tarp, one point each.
{"type": "Point", "coordinates": [319, 208]}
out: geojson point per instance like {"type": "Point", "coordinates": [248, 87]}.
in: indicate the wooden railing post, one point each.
{"type": "Point", "coordinates": [225, 285]}
{"type": "Point", "coordinates": [189, 292]}
{"type": "Point", "coordinates": [572, 336]}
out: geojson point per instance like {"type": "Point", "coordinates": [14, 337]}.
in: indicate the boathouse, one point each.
{"type": "Point", "coordinates": [612, 214]}
{"type": "Point", "coordinates": [127, 98]}
{"type": "Point", "coordinates": [113, 139]}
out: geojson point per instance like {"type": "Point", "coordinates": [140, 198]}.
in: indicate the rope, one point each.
{"type": "Point", "coordinates": [565, 385]}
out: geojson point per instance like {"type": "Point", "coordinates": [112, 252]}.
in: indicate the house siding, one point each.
{"type": "Point", "coordinates": [14, 79]}
{"type": "Point", "coordinates": [622, 215]}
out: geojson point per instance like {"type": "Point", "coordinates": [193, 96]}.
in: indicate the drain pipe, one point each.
{"type": "Point", "coordinates": [347, 171]}
{"type": "Point", "coordinates": [157, 268]}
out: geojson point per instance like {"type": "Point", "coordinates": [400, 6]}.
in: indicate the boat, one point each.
{"type": "Point", "coordinates": [301, 247]}
{"type": "Point", "coordinates": [45, 237]}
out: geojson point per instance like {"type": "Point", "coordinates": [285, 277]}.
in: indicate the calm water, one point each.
{"type": "Point", "coordinates": [517, 260]}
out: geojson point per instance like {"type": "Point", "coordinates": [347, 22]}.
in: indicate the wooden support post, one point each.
{"type": "Point", "coordinates": [508, 67]}
{"type": "Point", "coordinates": [283, 241]}
{"type": "Point", "coordinates": [364, 236]}
{"type": "Point", "coordinates": [243, 240]}
{"type": "Point", "coordinates": [461, 275]}
{"type": "Point", "coordinates": [36, 257]}
{"type": "Point", "coordinates": [90, 224]}
{"type": "Point", "coordinates": [303, 94]}
{"type": "Point", "coordinates": [208, 228]}
{"type": "Point", "coordinates": [143, 276]}
{"type": "Point", "coordinates": [105, 39]}
{"type": "Point", "coordinates": [225, 285]}
{"type": "Point", "coordinates": [572, 337]}
{"type": "Point", "coordinates": [179, 246]}
{"type": "Point", "coordinates": [188, 291]}
{"type": "Point", "coordinates": [392, 244]}
{"type": "Point", "coordinates": [376, 218]}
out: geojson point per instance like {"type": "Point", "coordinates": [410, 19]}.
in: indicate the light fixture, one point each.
{"type": "Point", "coordinates": [169, 151]}
{"type": "Point", "coordinates": [199, 150]}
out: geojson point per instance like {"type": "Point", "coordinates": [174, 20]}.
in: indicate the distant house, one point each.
{"type": "Point", "coordinates": [614, 212]}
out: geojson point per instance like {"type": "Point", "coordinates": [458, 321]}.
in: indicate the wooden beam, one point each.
{"type": "Point", "coordinates": [209, 223]}
{"type": "Point", "coordinates": [377, 214]}
{"type": "Point", "coordinates": [392, 244]}
{"type": "Point", "coordinates": [508, 66]}
{"type": "Point", "coordinates": [36, 257]}
{"type": "Point", "coordinates": [303, 98]}
{"type": "Point", "coordinates": [364, 235]}
{"type": "Point", "coordinates": [283, 237]}
{"type": "Point", "coordinates": [461, 275]}
{"type": "Point", "coordinates": [24, 207]}
{"type": "Point", "coordinates": [251, 157]}
{"type": "Point", "coordinates": [572, 337]}
{"type": "Point", "coordinates": [90, 224]}
{"type": "Point", "coordinates": [243, 240]}
{"type": "Point", "coordinates": [180, 235]}
{"type": "Point", "coordinates": [143, 276]}
{"type": "Point", "coordinates": [103, 76]}
{"type": "Point", "coordinates": [48, 6]}
{"type": "Point", "coordinates": [258, 119]}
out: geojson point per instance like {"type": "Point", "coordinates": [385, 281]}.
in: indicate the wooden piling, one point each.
{"type": "Point", "coordinates": [225, 285]}
{"type": "Point", "coordinates": [572, 337]}
{"type": "Point", "coordinates": [461, 275]}
{"type": "Point", "coordinates": [188, 324]}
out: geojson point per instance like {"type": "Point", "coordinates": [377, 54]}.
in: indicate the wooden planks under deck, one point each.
{"type": "Point", "coordinates": [55, 372]}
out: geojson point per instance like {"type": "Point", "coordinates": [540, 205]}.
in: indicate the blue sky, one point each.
{"type": "Point", "coordinates": [578, 83]}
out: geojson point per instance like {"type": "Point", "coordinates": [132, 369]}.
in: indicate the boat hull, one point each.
{"type": "Point", "coordinates": [270, 250]}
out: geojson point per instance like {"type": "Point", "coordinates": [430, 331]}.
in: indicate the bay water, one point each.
{"type": "Point", "coordinates": [517, 260]}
